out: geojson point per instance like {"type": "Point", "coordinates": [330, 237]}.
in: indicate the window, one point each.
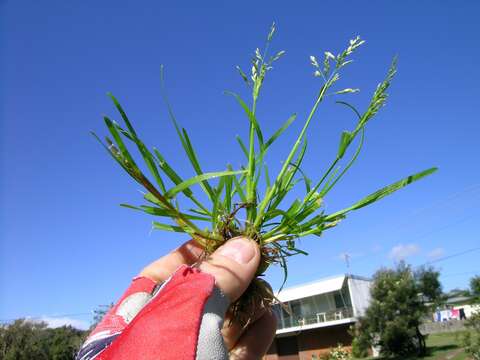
{"type": "Point", "coordinates": [339, 301]}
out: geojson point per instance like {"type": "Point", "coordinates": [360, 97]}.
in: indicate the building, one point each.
{"type": "Point", "coordinates": [317, 316]}
{"type": "Point", "coordinates": [456, 306]}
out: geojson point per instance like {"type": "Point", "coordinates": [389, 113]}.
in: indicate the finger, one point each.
{"type": "Point", "coordinates": [161, 269]}
{"type": "Point", "coordinates": [256, 340]}
{"type": "Point", "coordinates": [232, 330]}
{"type": "Point", "coordinates": [233, 265]}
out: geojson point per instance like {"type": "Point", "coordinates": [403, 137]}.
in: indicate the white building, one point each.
{"type": "Point", "coordinates": [317, 316]}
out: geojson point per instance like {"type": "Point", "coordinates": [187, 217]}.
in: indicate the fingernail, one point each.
{"type": "Point", "coordinates": [240, 250]}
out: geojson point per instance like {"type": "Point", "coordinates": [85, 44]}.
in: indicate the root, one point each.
{"type": "Point", "coordinates": [258, 295]}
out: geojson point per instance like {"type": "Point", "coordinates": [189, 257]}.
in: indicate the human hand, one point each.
{"type": "Point", "coordinates": [176, 308]}
{"type": "Point", "coordinates": [234, 266]}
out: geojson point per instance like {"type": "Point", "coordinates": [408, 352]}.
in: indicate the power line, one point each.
{"type": "Point", "coordinates": [71, 315]}
{"type": "Point", "coordinates": [445, 202]}
{"type": "Point", "coordinates": [462, 273]}
{"type": "Point", "coordinates": [47, 316]}
{"type": "Point", "coordinates": [451, 256]}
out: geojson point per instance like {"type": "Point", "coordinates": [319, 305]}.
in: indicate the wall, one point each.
{"type": "Point", "coordinates": [444, 326]}
{"type": "Point", "coordinates": [310, 342]}
{"type": "Point", "coordinates": [359, 294]}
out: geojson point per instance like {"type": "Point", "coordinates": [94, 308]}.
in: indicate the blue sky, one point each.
{"type": "Point", "coordinates": [65, 244]}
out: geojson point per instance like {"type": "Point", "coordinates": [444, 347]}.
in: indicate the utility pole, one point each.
{"type": "Point", "coordinates": [100, 312]}
{"type": "Point", "coordinates": [346, 257]}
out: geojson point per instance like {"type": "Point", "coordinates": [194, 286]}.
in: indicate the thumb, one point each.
{"type": "Point", "coordinates": [233, 265]}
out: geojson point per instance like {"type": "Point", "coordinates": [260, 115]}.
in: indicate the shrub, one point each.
{"type": "Point", "coordinates": [337, 353]}
{"type": "Point", "coordinates": [471, 338]}
{"type": "Point", "coordinates": [359, 348]}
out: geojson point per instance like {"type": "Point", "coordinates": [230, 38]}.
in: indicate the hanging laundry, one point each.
{"type": "Point", "coordinates": [455, 314]}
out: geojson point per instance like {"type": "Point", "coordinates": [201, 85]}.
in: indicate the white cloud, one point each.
{"type": "Point", "coordinates": [54, 322]}
{"type": "Point", "coordinates": [401, 251]}
{"type": "Point", "coordinates": [436, 253]}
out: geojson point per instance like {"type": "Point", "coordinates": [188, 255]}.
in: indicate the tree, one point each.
{"type": "Point", "coordinates": [26, 340]}
{"type": "Point", "coordinates": [475, 287]}
{"type": "Point", "coordinates": [22, 340]}
{"type": "Point", "coordinates": [428, 282]}
{"type": "Point", "coordinates": [396, 310]}
{"type": "Point", "coordinates": [63, 342]}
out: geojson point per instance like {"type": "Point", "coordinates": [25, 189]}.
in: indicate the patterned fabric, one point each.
{"type": "Point", "coordinates": [178, 319]}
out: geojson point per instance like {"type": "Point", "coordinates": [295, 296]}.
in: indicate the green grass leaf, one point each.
{"type": "Point", "coordinates": [250, 115]}
{"type": "Point", "coordinates": [377, 195]}
{"type": "Point", "coordinates": [123, 115]}
{"type": "Point", "coordinates": [176, 179]}
{"type": "Point", "coordinates": [199, 179]}
{"type": "Point", "coordinates": [239, 189]}
{"type": "Point", "coordinates": [167, 227]}
{"type": "Point", "coordinates": [196, 165]}
{"type": "Point", "coordinates": [279, 132]}
{"type": "Point", "coordinates": [121, 145]}
{"type": "Point", "coordinates": [328, 185]}
{"type": "Point", "coordinates": [170, 172]}
{"type": "Point", "coordinates": [227, 202]}
{"type": "Point", "coordinates": [184, 138]}
{"type": "Point", "coordinates": [242, 145]}
{"type": "Point", "coordinates": [345, 140]}
{"type": "Point", "coordinates": [157, 211]}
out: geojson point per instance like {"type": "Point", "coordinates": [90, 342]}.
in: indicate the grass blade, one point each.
{"type": "Point", "coordinates": [163, 212]}
{"type": "Point", "coordinates": [110, 151]}
{"type": "Point", "coordinates": [377, 195]}
{"type": "Point", "coordinates": [146, 154]}
{"type": "Point", "coordinates": [239, 189]}
{"type": "Point", "coordinates": [184, 139]}
{"type": "Point", "coordinates": [167, 227]}
{"type": "Point", "coordinates": [279, 132]}
{"type": "Point", "coordinates": [176, 179]}
{"type": "Point", "coordinates": [199, 179]}
{"type": "Point", "coordinates": [227, 202]}
{"type": "Point", "coordinates": [250, 115]}
{"type": "Point", "coordinates": [196, 165]}
{"type": "Point", "coordinates": [123, 115]}
{"type": "Point", "coordinates": [350, 163]}
{"type": "Point", "coordinates": [121, 145]}
{"type": "Point", "coordinates": [168, 170]}
{"type": "Point", "coordinates": [242, 145]}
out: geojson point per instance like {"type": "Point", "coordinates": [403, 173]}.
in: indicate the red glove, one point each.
{"type": "Point", "coordinates": [181, 317]}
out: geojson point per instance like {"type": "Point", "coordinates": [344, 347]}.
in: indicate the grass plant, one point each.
{"type": "Point", "coordinates": [248, 192]}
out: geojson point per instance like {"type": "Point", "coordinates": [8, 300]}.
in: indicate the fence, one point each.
{"type": "Point", "coordinates": [444, 326]}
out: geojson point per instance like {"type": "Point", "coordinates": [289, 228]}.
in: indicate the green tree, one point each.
{"type": "Point", "coordinates": [63, 342]}
{"type": "Point", "coordinates": [475, 287]}
{"type": "Point", "coordinates": [396, 310]}
{"type": "Point", "coordinates": [428, 282]}
{"type": "Point", "coordinates": [22, 340]}
{"type": "Point", "coordinates": [26, 340]}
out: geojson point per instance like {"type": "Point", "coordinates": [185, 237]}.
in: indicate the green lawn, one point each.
{"type": "Point", "coordinates": [444, 346]}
